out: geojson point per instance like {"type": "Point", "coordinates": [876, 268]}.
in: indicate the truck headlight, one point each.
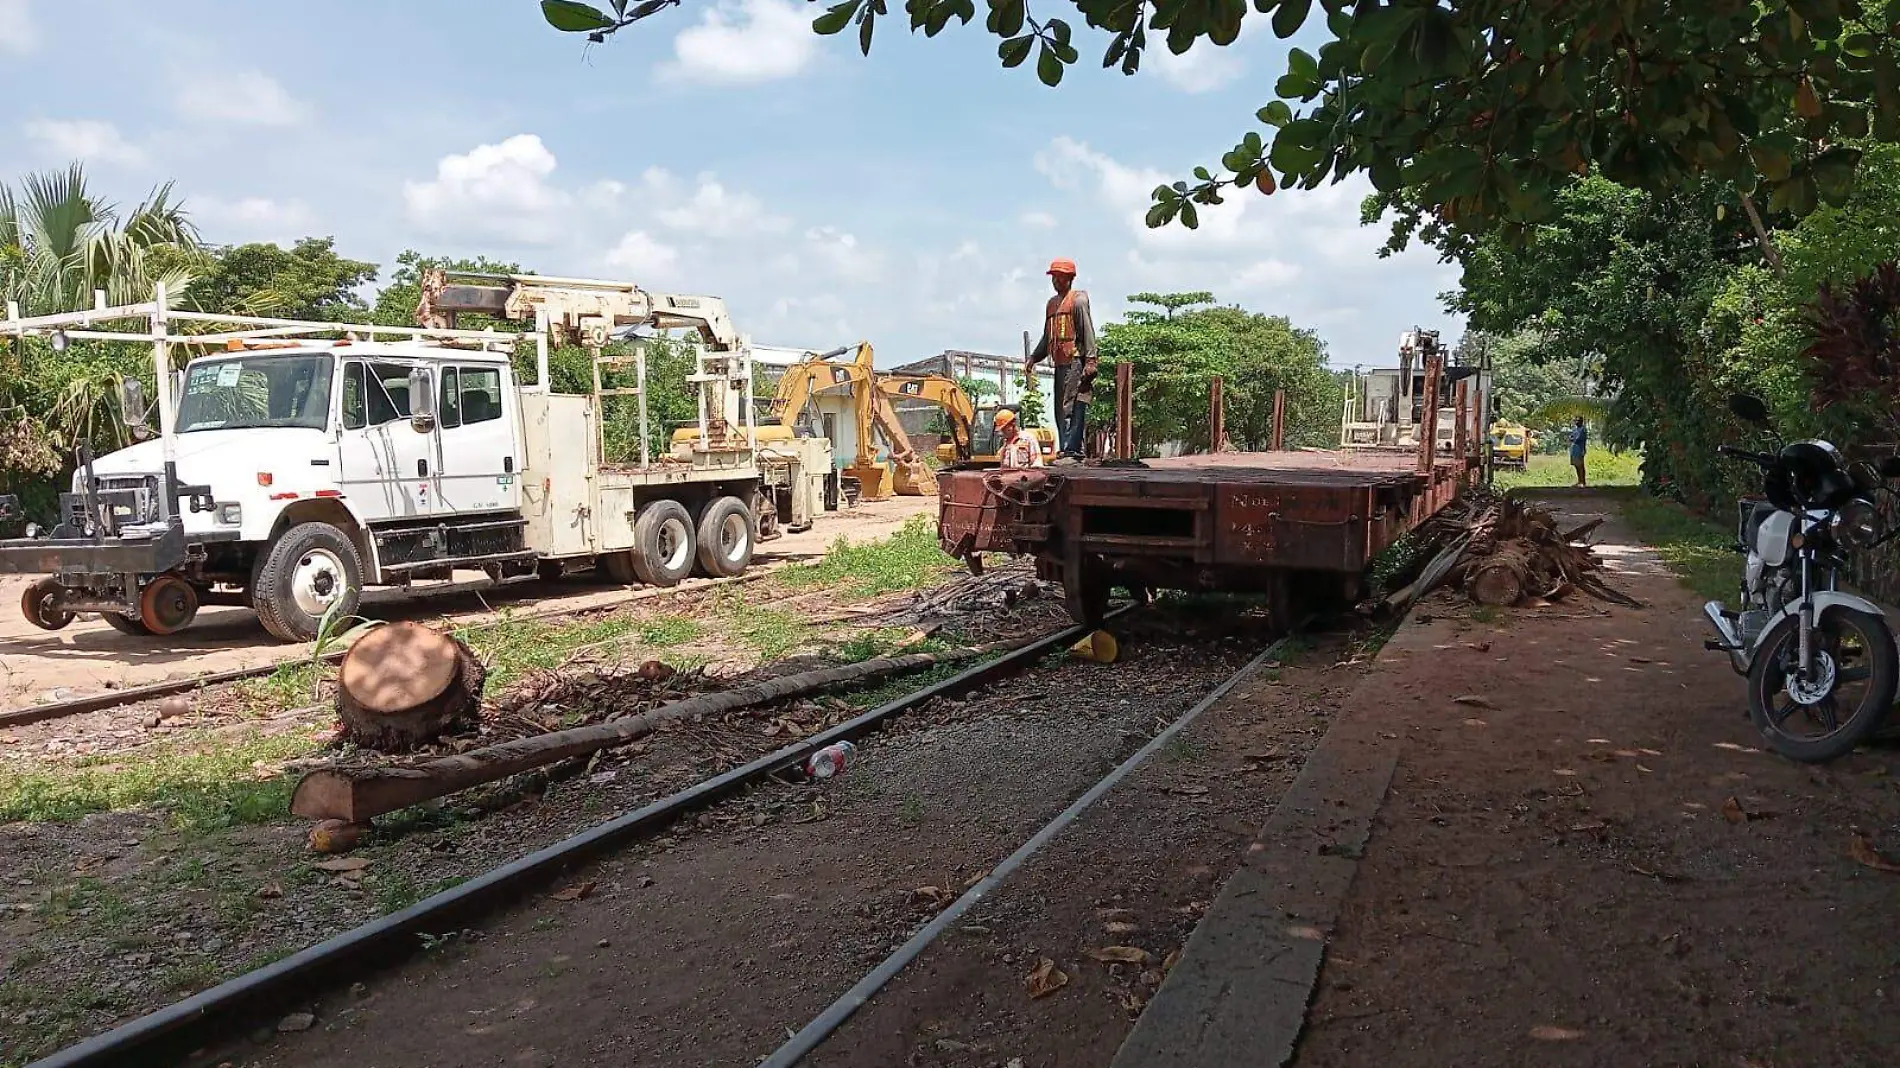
{"type": "Point", "coordinates": [1858, 524]}
{"type": "Point", "coordinates": [230, 514]}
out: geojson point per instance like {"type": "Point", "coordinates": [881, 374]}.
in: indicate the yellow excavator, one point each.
{"type": "Point", "coordinates": [825, 373]}
{"type": "Point", "coordinates": [973, 440]}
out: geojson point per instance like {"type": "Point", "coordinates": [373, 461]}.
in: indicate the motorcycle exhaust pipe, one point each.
{"type": "Point", "coordinates": [1731, 638]}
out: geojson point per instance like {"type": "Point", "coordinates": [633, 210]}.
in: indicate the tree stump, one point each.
{"type": "Point", "coordinates": [405, 684]}
{"type": "Point", "coordinates": [1501, 578]}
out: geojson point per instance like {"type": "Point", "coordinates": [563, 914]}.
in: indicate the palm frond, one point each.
{"type": "Point", "coordinates": [1567, 409]}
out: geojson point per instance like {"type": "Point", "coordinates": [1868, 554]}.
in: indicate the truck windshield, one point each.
{"type": "Point", "coordinates": [256, 391]}
{"type": "Point", "coordinates": [1514, 439]}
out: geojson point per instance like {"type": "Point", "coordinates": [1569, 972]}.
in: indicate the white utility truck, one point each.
{"type": "Point", "coordinates": [296, 463]}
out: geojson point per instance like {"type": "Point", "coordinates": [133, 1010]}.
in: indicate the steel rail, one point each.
{"type": "Point", "coordinates": [166, 1035]}
{"type": "Point", "coordinates": [99, 702]}
{"type": "Point", "coordinates": [821, 1027]}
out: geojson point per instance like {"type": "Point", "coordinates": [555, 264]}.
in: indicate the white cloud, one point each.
{"type": "Point", "coordinates": [249, 97]}
{"type": "Point", "coordinates": [744, 43]}
{"type": "Point", "coordinates": [718, 212]}
{"type": "Point", "coordinates": [1266, 274]}
{"type": "Point", "coordinates": [18, 33]}
{"type": "Point", "coordinates": [1199, 70]}
{"type": "Point", "coordinates": [842, 253]}
{"type": "Point", "coordinates": [643, 259]}
{"type": "Point", "coordinates": [496, 191]}
{"type": "Point", "coordinates": [1040, 219]}
{"type": "Point", "coordinates": [91, 140]}
{"type": "Point", "coordinates": [253, 219]}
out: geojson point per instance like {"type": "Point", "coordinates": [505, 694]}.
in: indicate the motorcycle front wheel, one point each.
{"type": "Point", "coordinates": [1856, 667]}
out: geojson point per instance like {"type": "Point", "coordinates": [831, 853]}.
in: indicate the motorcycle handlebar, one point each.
{"type": "Point", "coordinates": [1743, 454]}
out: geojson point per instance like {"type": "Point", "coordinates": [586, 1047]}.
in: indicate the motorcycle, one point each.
{"type": "Point", "coordinates": [1821, 664]}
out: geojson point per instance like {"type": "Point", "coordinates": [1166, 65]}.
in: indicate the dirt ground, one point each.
{"type": "Point", "coordinates": [38, 666]}
{"type": "Point", "coordinates": [1591, 861]}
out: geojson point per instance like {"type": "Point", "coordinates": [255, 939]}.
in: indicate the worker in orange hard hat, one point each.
{"type": "Point", "coordinates": [1068, 341]}
{"type": "Point", "coordinates": [1016, 449]}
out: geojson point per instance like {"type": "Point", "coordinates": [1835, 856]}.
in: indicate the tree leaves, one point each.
{"type": "Point", "coordinates": [568, 16]}
{"type": "Point", "coordinates": [1657, 100]}
{"type": "Point", "coordinates": [835, 18]}
{"type": "Point", "coordinates": [1289, 17]}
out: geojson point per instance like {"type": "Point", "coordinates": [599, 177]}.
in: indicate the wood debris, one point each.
{"type": "Point", "coordinates": [1502, 551]}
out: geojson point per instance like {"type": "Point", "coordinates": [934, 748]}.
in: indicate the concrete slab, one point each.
{"type": "Point", "coordinates": [1237, 998]}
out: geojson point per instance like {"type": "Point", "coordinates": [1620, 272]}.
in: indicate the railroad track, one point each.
{"type": "Point", "coordinates": [100, 702]}
{"type": "Point", "coordinates": [163, 1036]}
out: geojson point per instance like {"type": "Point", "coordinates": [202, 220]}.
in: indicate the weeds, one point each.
{"type": "Point", "coordinates": [1553, 470]}
{"type": "Point", "coordinates": [771, 633]}
{"type": "Point", "coordinates": [200, 790]}
{"type": "Point", "coordinates": [1181, 749]}
{"type": "Point", "coordinates": [1485, 613]}
{"type": "Point", "coordinates": [1700, 552]}
{"type": "Point", "coordinates": [907, 560]}
{"type": "Point", "coordinates": [911, 810]}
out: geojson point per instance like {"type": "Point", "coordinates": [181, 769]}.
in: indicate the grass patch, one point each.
{"type": "Point", "coordinates": [907, 560]}
{"type": "Point", "coordinates": [771, 633]}
{"type": "Point", "coordinates": [1604, 467]}
{"type": "Point", "coordinates": [200, 790]}
{"type": "Point", "coordinates": [290, 686]}
{"type": "Point", "coordinates": [1700, 552]}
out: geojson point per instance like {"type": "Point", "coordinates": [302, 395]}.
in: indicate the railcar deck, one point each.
{"type": "Point", "coordinates": [1284, 523]}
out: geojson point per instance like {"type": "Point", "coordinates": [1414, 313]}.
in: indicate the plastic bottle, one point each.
{"type": "Point", "coordinates": [830, 760]}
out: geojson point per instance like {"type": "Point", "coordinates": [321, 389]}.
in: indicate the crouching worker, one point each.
{"type": "Point", "coordinates": [1017, 448]}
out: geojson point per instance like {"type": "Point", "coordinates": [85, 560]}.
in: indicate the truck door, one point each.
{"type": "Point", "coordinates": [478, 459]}
{"type": "Point", "coordinates": [384, 467]}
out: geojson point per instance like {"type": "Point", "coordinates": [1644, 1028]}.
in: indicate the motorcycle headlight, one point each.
{"type": "Point", "coordinates": [1858, 525]}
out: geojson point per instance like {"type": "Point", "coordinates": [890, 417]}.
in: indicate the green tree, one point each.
{"type": "Point", "coordinates": [1483, 110]}
{"type": "Point", "coordinates": [1176, 356]}
{"type": "Point", "coordinates": [59, 243]}
{"type": "Point", "coordinates": [306, 281]}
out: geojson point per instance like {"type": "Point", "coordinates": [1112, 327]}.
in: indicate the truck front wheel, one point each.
{"type": "Point", "coordinates": [311, 568]}
{"type": "Point", "coordinates": [725, 538]}
{"type": "Point", "coordinates": [663, 543]}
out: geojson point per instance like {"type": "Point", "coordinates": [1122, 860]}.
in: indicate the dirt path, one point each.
{"type": "Point", "coordinates": [1554, 880]}
{"type": "Point", "coordinates": [88, 656]}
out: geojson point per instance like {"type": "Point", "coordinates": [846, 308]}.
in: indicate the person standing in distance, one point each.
{"type": "Point", "coordinates": [1579, 448]}
{"type": "Point", "coordinates": [1068, 342]}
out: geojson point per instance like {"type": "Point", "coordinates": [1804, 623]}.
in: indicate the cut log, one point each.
{"type": "Point", "coordinates": [405, 684]}
{"type": "Point", "coordinates": [1500, 579]}
{"type": "Point", "coordinates": [355, 794]}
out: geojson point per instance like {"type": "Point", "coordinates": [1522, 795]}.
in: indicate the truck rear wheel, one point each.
{"type": "Point", "coordinates": [725, 538]}
{"type": "Point", "coordinates": [618, 567]}
{"type": "Point", "coordinates": [311, 568]}
{"type": "Point", "coordinates": [663, 543]}
{"type": "Point", "coordinates": [36, 604]}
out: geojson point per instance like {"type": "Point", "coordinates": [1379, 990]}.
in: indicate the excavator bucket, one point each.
{"type": "Point", "coordinates": [915, 479]}
{"type": "Point", "coordinates": [874, 481]}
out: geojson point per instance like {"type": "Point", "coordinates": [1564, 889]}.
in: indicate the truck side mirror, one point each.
{"type": "Point", "coordinates": [132, 402]}
{"type": "Point", "coordinates": [422, 400]}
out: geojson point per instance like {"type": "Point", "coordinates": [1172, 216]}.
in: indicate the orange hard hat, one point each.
{"type": "Point", "coordinates": [1004, 417]}
{"type": "Point", "coordinates": [1062, 267]}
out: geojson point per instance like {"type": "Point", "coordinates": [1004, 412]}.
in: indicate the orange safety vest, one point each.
{"type": "Point", "coordinates": [1059, 327]}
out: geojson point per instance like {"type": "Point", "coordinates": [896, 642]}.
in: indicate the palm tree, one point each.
{"type": "Point", "coordinates": [59, 243]}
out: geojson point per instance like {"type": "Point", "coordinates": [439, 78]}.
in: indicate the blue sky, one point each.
{"type": "Point", "coordinates": [913, 198]}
